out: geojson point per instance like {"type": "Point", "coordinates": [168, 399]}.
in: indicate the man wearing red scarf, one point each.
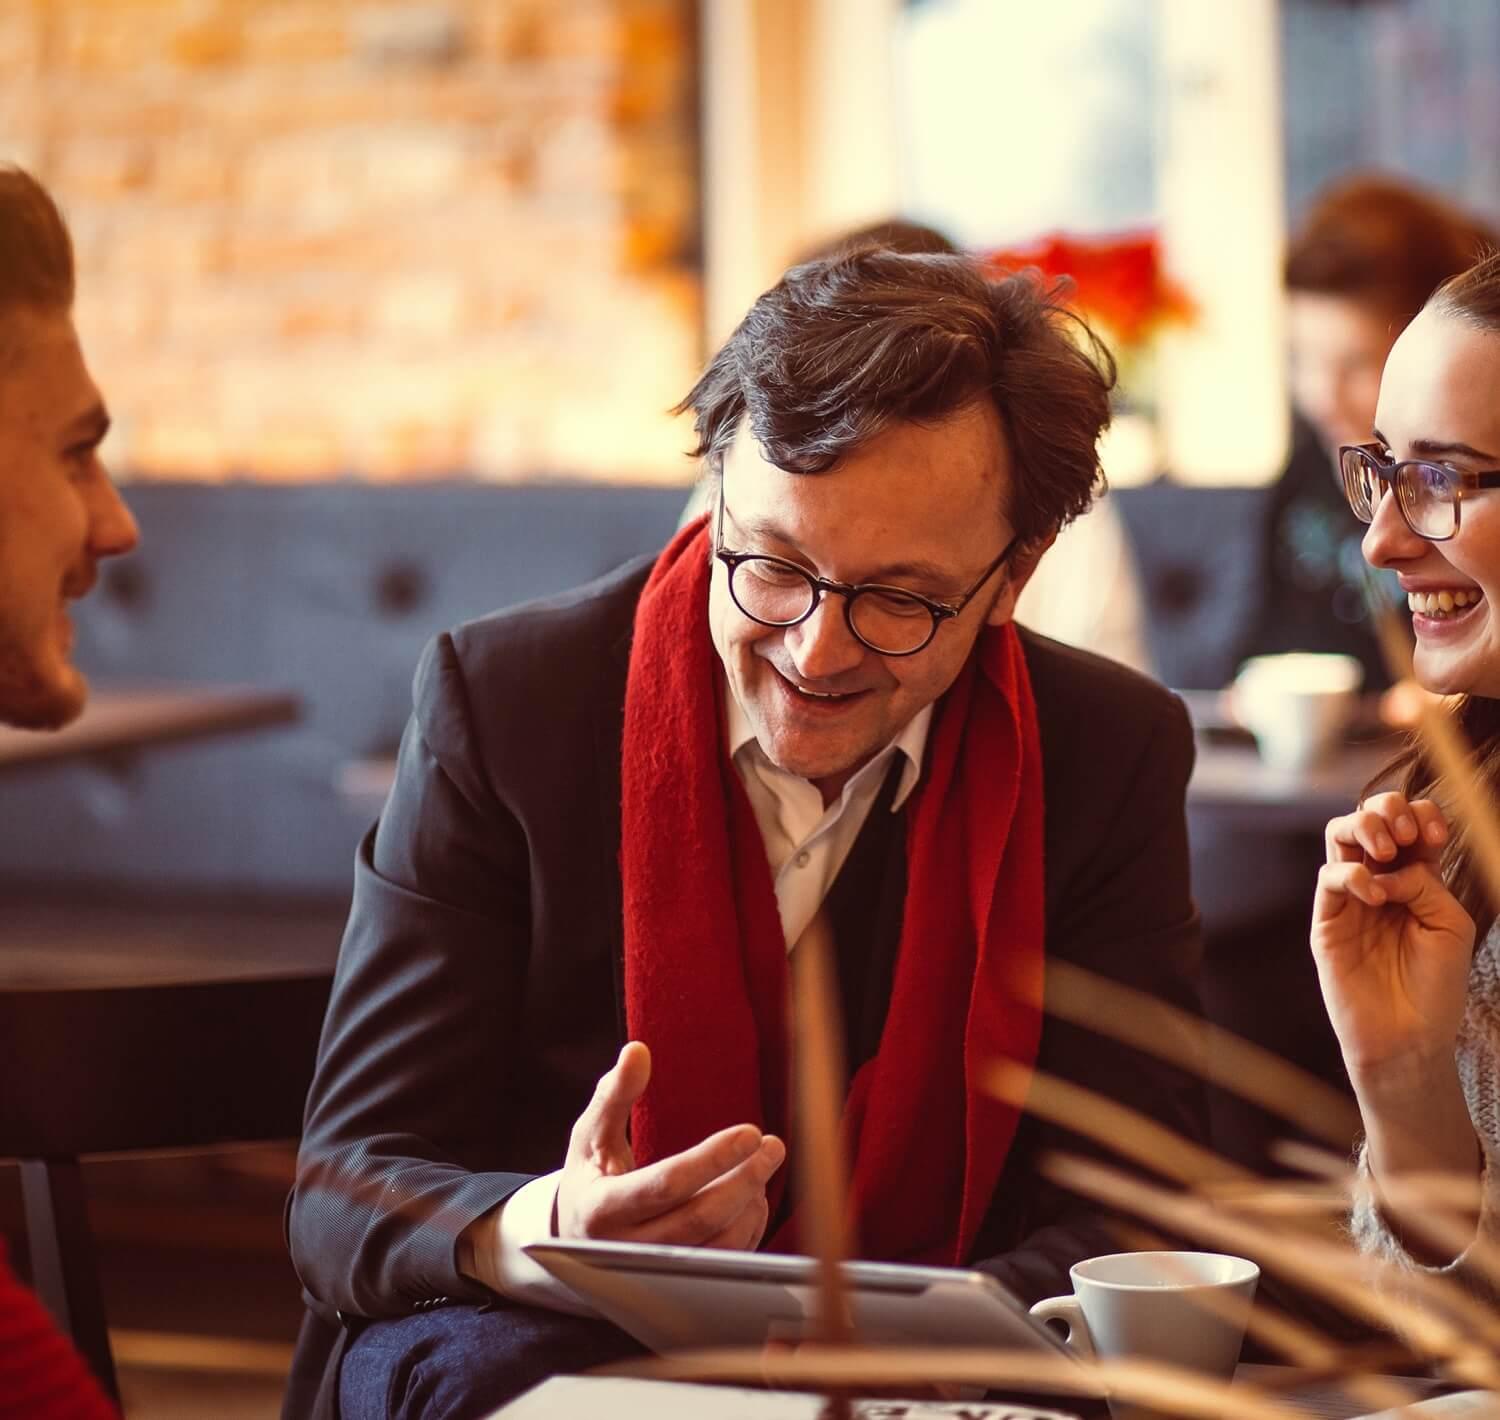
{"type": "Point", "coordinates": [561, 1002]}
{"type": "Point", "coordinates": [59, 516]}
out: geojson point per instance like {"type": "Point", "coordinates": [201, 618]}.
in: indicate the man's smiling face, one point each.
{"type": "Point", "coordinates": [59, 513]}
{"type": "Point", "coordinates": [918, 506]}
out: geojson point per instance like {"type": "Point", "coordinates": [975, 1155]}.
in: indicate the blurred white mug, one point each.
{"type": "Point", "coordinates": [1297, 705]}
{"type": "Point", "coordinates": [1186, 1308]}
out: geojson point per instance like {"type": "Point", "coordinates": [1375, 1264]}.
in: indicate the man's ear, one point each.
{"type": "Point", "coordinates": [1022, 564]}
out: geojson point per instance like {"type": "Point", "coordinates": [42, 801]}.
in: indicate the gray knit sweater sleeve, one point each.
{"type": "Point", "coordinates": [1479, 1073]}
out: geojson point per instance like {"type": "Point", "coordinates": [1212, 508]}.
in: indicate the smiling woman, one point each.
{"type": "Point", "coordinates": [1400, 904]}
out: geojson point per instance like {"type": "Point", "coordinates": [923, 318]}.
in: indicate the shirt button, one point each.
{"type": "Point", "coordinates": [802, 859]}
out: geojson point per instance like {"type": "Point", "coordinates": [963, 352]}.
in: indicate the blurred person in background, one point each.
{"type": "Point", "coordinates": [1404, 932]}
{"type": "Point", "coordinates": [1365, 258]}
{"type": "Point", "coordinates": [59, 517]}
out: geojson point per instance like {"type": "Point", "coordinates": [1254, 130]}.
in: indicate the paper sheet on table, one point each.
{"type": "Point", "coordinates": [1470, 1404]}
{"type": "Point", "coordinates": [623, 1398]}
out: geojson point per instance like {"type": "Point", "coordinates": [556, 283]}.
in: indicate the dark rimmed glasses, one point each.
{"type": "Point", "coordinates": [891, 621]}
{"type": "Point", "coordinates": [1429, 495]}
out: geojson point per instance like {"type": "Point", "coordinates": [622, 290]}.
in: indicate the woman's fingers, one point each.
{"type": "Point", "coordinates": [1338, 883]}
{"type": "Point", "coordinates": [1366, 833]}
{"type": "Point", "coordinates": [1386, 826]}
{"type": "Point", "coordinates": [1419, 889]}
{"type": "Point", "coordinates": [1434, 829]}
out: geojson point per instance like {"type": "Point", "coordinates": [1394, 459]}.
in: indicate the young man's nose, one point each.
{"type": "Point", "coordinates": [823, 646]}
{"type": "Point", "coordinates": [112, 527]}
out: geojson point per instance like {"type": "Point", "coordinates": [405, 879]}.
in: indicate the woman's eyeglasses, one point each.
{"type": "Point", "coordinates": [1429, 495]}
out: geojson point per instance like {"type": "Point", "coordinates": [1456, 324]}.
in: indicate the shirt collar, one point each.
{"type": "Point", "coordinates": [911, 743]}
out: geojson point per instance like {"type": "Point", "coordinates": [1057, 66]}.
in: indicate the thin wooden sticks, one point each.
{"type": "Point", "coordinates": [818, 1057]}
{"type": "Point", "coordinates": [1125, 1130]}
{"type": "Point", "coordinates": [1210, 1052]}
{"type": "Point", "coordinates": [1148, 1142]}
{"type": "Point", "coordinates": [1332, 1271]}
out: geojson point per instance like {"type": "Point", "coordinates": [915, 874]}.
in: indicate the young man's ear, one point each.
{"type": "Point", "coordinates": [1018, 572]}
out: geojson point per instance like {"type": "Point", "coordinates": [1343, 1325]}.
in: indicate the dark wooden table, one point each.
{"type": "Point", "coordinates": [1232, 784]}
{"type": "Point", "coordinates": [127, 721]}
{"type": "Point", "coordinates": [125, 1029]}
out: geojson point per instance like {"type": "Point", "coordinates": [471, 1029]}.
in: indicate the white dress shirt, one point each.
{"type": "Point", "coordinates": [806, 845]}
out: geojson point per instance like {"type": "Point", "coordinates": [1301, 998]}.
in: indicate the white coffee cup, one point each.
{"type": "Point", "coordinates": [1296, 705]}
{"type": "Point", "coordinates": [1185, 1308]}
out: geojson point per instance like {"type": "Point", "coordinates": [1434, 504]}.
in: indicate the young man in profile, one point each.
{"type": "Point", "coordinates": [560, 1004]}
{"type": "Point", "coordinates": [59, 517]}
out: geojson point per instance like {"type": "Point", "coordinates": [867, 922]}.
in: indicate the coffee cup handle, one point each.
{"type": "Point", "coordinates": [1067, 1309]}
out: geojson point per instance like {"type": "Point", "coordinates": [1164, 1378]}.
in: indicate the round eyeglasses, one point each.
{"type": "Point", "coordinates": [891, 621]}
{"type": "Point", "coordinates": [1429, 495]}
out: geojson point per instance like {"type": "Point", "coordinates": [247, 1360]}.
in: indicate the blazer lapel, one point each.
{"type": "Point", "coordinates": [609, 726]}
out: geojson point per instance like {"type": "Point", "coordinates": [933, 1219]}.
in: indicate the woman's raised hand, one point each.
{"type": "Point", "coordinates": [1391, 943]}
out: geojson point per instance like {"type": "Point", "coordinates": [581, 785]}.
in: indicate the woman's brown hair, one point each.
{"type": "Point", "coordinates": [1473, 296]}
{"type": "Point", "coordinates": [842, 347]}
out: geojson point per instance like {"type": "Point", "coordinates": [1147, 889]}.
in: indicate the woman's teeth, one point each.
{"type": "Point", "coordinates": [1441, 604]}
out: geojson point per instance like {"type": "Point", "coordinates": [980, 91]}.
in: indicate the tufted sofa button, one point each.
{"type": "Point", "coordinates": [127, 586]}
{"type": "Point", "coordinates": [1177, 591]}
{"type": "Point", "coordinates": [400, 589]}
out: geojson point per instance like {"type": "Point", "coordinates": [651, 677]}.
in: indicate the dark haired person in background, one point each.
{"type": "Point", "coordinates": [617, 811]}
{"type": "Point", "coordinates": [59, 516]}
{"type": "Point", "coordinates": [1367, 255]}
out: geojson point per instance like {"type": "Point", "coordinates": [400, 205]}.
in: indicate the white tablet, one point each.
{"type": "Point", "coordinates": [685, 1298]}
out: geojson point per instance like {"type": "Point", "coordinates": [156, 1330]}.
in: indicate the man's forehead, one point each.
{"type": "Point", "coordinates": [914, 494]}
{"type": "Point", "coordinates": [972, 437]}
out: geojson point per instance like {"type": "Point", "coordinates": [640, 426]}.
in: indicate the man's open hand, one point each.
{"type": "Point", "coordinates": [712, 1195]}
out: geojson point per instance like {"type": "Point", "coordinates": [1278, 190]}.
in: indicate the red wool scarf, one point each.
{"type": "Point", "coordinates": [706, 973]}
{"type": "Point", "coordinates": [41, 1376]}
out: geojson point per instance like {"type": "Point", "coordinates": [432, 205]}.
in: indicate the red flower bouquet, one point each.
{"type": "Point", "coordinates": [1119, 282]}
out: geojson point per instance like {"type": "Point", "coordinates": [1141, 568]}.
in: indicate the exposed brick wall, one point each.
{"type": "Point", "coordinates": [392, 238]}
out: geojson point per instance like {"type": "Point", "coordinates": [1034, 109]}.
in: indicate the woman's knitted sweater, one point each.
{"type": "Point", "coordinates": [1479, 1073]}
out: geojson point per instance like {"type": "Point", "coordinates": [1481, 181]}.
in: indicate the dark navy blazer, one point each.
{"type": "Point", "coordinates": [477, 998]}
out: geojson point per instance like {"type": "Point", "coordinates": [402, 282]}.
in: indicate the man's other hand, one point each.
{"type": "Point", "coordinates": [712, 1195]}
